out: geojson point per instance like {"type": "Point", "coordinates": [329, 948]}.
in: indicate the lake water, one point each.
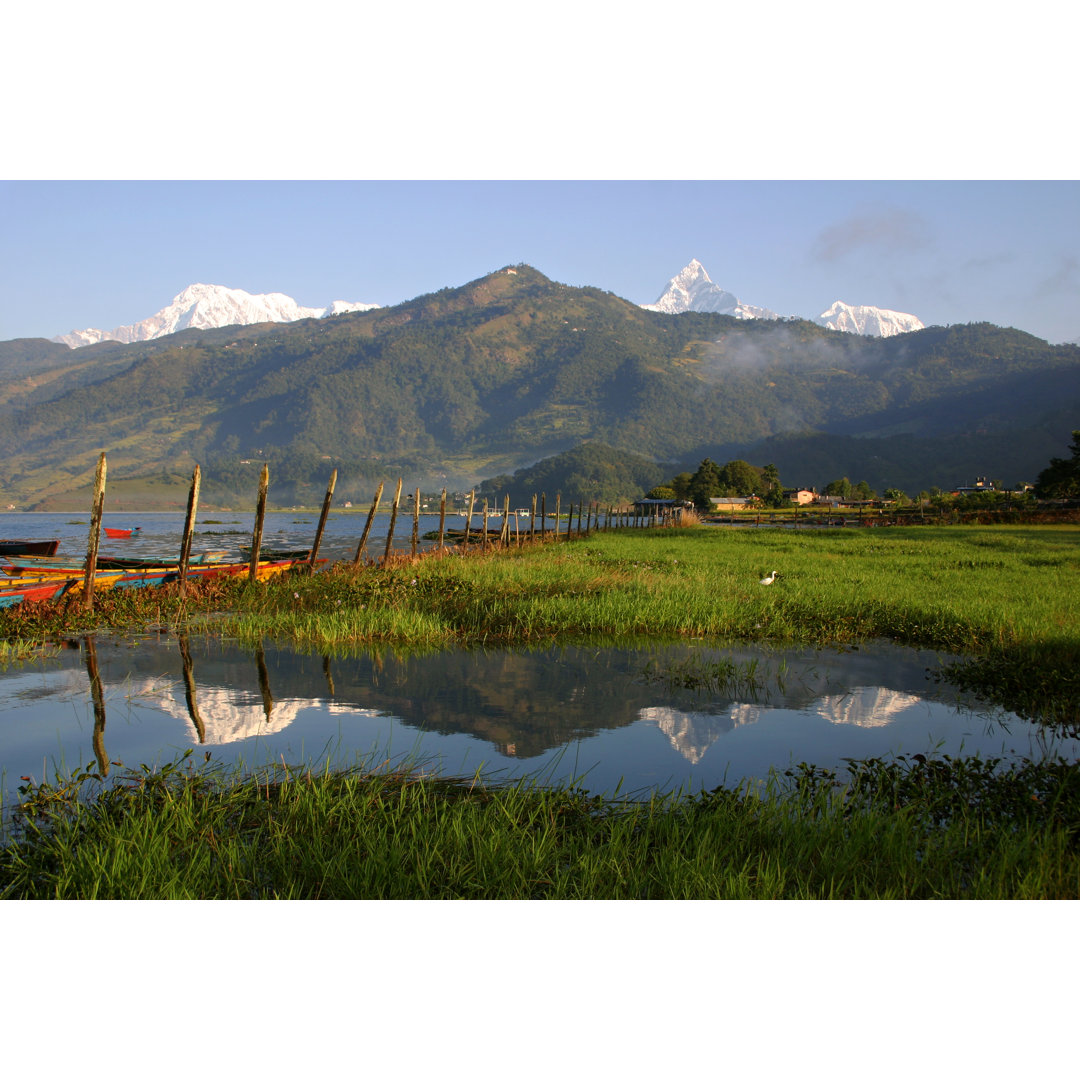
{"type": "Point", "coordinates": [160, 533]}
{"type": "Point", "coordinates": [646, 718]}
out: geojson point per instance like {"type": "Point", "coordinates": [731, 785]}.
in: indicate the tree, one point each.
{"type": "Point", "coordinates": [738, 478]}
{"type": "Point", "coordinates": [863, 491]}
{"type": "Point", "coordinates": [704, 484]}
{"type": "Point", "coordinates": [772, 489]}
{"type": "Point", "coordinates": [1061, 478]}
{"type": "Point", "coordinates": [841, 488]}
{"type": "Point", "coordinates": [681, 485]}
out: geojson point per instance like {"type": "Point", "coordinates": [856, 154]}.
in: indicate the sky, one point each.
{"type": "Point", "coordinates": [924, 164]}
{"type": "Point", "coordinates": [106, 253]}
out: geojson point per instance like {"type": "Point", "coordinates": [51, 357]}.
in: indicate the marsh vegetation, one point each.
{"type": "Point", "coordinates": [1002, 599]}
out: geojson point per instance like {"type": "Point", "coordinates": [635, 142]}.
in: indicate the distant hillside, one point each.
{"type": "Point", "coordinates": [591, 472]}
{"type": "Point", "coordinates": [511, 369]}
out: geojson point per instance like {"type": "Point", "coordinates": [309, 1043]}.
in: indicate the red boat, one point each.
{"type": "Point", "coordinates": [119, 534]}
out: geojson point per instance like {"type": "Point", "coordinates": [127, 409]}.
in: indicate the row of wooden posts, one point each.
{"type": "Point", "coordinates": [596, 518]}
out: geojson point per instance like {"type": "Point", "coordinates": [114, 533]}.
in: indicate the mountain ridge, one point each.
{"type": "Point", "coordinates": [512, 368]}
{"type": "Point", "coordinates": [205, 307]}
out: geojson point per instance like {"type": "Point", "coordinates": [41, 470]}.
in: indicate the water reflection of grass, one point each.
{"type": "Point", "coordinates": [903, 829]}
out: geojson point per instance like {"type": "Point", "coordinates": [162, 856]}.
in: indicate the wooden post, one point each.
{"type": "Point", "coordinates": [468, 519]}
{"type": "Point", "coordinates": [442, 519]}
{"type": "Point", "coordinates": [517, 529]}
{"type": "Point", "coordinates": [329, 498]}
{"type": "Point", "coordinates": [558, 514]}
{"type": "Point", "coordinates": [414, 543]}
{"type": "Point", "coordinates": [260, 514]}
{"type": "Point", "coordinates": [189, 528]}
{"type": "Point", "coordinates": [532, 517]}
{"type": "Point", "coordinates": [95, 534]}
{"type": "Point", "coordinates": [485, 544]}
{"type": "Point", "coordinates": [504, 531]}
{"type": "Point", "coordinates": [543, 515]}
{"type": "Point", "coordinates": [393, 521]}
{"type": "Point", "coordinates": [367, 525]}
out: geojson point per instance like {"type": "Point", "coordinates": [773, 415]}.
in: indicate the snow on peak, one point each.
{"type": "Point", "coordinates": [871, 321]}
{"type": "Point", "coordinates": [205, 307]}
{"type": "Point", "coordinates": [693, 290]}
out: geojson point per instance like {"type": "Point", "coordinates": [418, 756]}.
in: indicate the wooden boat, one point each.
{"type": "Point", "coordinates": [149, 562]}
{"type": "Point", "coordinates": [32, 592]}
{"type": "Point", "coordinates": [275, 554]}
{"type": "Point", "coordinates": [29, 547]}
{"type": "Point", "coordinates": [142, 577]}
{"type": "Point", "coordinates": [120, 534]}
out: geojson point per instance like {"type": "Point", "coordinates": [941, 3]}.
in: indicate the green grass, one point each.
{"type": "Point", "coordinates": [902, 830]}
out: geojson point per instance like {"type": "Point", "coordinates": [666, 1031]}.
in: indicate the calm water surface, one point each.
{"type": "Point", "coordinates": [652, 718]}
{"type": "Point", "coordinates": [161, 533]}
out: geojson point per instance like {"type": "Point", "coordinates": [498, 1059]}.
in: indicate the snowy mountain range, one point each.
{"type": "Point", "coordinates": [693, 290]}
{"type": "Point", "coordinates": [205, 307]}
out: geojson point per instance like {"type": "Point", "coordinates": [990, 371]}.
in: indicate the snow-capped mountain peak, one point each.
{"type": "Point", "coordinates": [691, 289]}
{"type": "Point", "coordinates": [872, 321]}
{"type": "Point", "coordinates": [204, 307]}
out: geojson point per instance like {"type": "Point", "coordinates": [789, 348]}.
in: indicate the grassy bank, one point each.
{"type": "Point", "coordinates": [903, 830]}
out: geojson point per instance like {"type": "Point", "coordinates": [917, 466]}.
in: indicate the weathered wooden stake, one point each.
{"type": "Point", "coordinates": [504, 532]}
{"type": "Point", "coordinates": [442, 519]}
{"type": "Point", "coordinates": [485, 543]}
{"type": "Point", "coordinates": [468, 519]}
{"type": "Point", "coordinates": [189, 528]}
{"type": "Point", "coordinates": [95, 534]}
{"type": "Point", "coordinates": [327, 500]}
{"type": "Point", "coordinates": [543, 515]}
{"type": "Point", "coordinates": [558, 513]}
{"type": "Point", "coordinates": [415, 523]}
{"type": "Point", "coordinates": [393, 521]}
{"type": "Point", "coordinates": [532, 517]}
{"type": "Point", "coordinates": [367, 525]}
{"type": "Point", "coordinates": [260, 514]}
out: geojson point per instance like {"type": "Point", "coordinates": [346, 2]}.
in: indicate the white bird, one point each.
{"type": "Point", "coordinates": [771, 577]}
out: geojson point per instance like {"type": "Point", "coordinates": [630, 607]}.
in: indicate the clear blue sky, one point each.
{"type": "Point", "coordinates": [807, 154]}
{"type": "Point", "coordinates": [107, 253]}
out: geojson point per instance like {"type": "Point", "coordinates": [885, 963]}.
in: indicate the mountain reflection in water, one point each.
{"type": "Point", "coordinates": [615, 714]}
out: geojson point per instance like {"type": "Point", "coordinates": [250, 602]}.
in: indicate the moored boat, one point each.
{"type": "Point", "coordinates": [29, 547]}
{"type": "Point", "coordinates": [120, 534]}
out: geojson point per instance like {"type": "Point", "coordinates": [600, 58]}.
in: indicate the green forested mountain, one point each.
{"type": "Point", "coordinates": [513, 368]}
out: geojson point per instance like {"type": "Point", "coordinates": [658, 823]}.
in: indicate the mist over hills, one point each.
{"type": "Point", "coordinates": [513, 368]}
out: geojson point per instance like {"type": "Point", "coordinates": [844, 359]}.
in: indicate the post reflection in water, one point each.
{"type": "Point", "coordinates": [598, 715]}
{"type": "Point", "coordinates": [97, 695]}
{"type": "Point", "coordinates": [189, 688]}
